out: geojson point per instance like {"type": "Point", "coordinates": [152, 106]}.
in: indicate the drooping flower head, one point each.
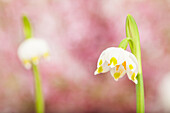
{"type": "Point", "coordinates": [119, 62]}
{"type": "Point", "coordinates": [31, 50]}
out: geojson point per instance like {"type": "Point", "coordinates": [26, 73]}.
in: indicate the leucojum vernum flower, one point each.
{"type": "Point", "coordinates": [119, 61]}
{"type": "Point", "coordinates": [30, 51]}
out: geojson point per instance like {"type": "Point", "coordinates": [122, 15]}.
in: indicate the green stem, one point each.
{"type": "Point", "coordinates": [38, 90]}
{"type": "Point", "coordinates": [132, 31]}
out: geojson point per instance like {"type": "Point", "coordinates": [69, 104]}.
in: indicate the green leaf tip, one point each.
{"type": "Point", "coordinates": [27, 27]}
{"type": "Point", "coordinates": [132, 31]}
{"type": "Point", "coordinates": [131, 27]}
{"type": "Point", "coordinates": [129, 15]}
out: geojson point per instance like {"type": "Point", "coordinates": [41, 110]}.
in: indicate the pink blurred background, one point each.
{"type": "Point", "coordinates": [77, 32]}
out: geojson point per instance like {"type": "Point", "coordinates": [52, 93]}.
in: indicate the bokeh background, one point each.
{"type": "Point", "coordinates": [77, 31]}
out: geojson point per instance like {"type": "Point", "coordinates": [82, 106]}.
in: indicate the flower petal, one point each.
{"type": "Point", "coordinates": [102, 68]}
{"type": "Point", "coordinates": [32, 47]}
{"type": "Point", "coordinates": [132, 76]}
{"type": "Point", "coordinates": [114, 56]}
{"type": "Point", "coordinates": [132, 63]}
{"type": "Point", "coordinates": [132, 67]}
{"type": "Point", "coordinates": [118, 72]}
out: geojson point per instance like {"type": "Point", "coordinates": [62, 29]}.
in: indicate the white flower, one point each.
{"type": "Point", "coordinates": [31, 50]}
{"type": "Point", "coordinates": [118, 61]}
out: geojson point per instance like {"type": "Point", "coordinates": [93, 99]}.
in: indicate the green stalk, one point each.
{"type": "Point", "coordinates": [132, 31]}
{"type": "Point", "coordinates": [38, 90]}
